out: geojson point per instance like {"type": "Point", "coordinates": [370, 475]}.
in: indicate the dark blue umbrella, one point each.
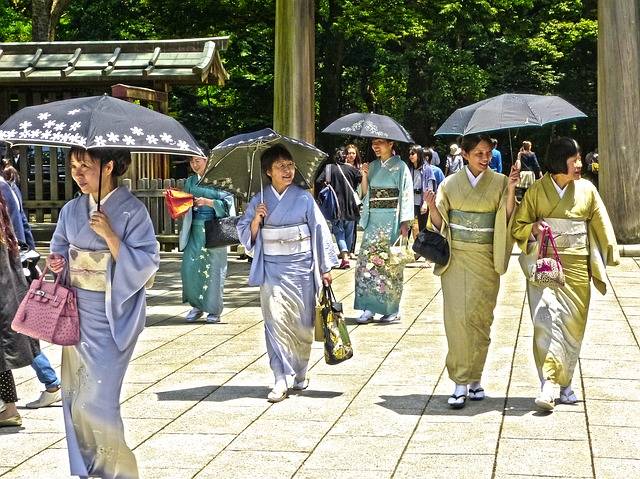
{"type": "Point", "coordinates": [369, 125]}
{"type": "Point", "coordinates": [98, 122]}
{"type": "Point", "coordinates": [507, 111]}
{"type": "Point", "coordinates": [234, 164]}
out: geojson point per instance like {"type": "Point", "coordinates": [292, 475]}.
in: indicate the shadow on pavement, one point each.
{"type": "Point", "coordinates": [230, 393]}
{"type": "Point", "coordinates": [411, 404]}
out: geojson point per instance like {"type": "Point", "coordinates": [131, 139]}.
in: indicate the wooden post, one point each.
{"type": "Point", "coordinates": [619, 114]}
{"type": "Point", "coordinates": [294, 76]}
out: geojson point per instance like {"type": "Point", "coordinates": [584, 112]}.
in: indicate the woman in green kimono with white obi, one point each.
{"type": "Point", "coordinates": [472, 210]}
{"type": "Point", "coordinates": [586, 244]}
{"type": "Point", "coordinates": [203, 269]}
{"type": "Point", "coordinates": [387, 213]}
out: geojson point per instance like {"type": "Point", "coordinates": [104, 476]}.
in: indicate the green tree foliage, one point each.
{"type": "Point", "coordinates": [416, 60]}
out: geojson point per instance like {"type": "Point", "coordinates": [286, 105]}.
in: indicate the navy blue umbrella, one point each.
{"type": "Point", "coordinates": [99, 122]}
{"type": "Point", "coordinates": [234, 164]}
{"type": "Point", "coordinates": [507, 111]}
{"type": "Point", "coordinates": [369, 125]}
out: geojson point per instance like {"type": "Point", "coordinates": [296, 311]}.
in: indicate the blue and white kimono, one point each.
{"type": "Point", "coordinates": [110, 322]}
{"type": "Point", "coordinates": [289, 283]}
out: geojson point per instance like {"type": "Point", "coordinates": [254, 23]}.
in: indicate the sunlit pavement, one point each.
{"type": "Point", "coordinates": [194, 396]}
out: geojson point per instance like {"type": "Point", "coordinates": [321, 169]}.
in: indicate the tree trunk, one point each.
{"type": "Point", "coordinates": [294, 69]}
{"type": "Point", "coordinates": [331, 75]}
{"type": "Point", "coordinates": [45, 15]}
{"type": "Point", "coordinates": [619, 114]}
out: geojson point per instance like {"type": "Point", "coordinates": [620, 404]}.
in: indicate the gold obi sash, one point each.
{"type": "Point", "coordinates": [88, 269]}
{"type": "Point", "coordinates": [570, 235]}
{"type": "Point", "coordinates": [286, 240]}
{"type": "Point", "coordinates": [471, 227]}
{"type": "Point", "coordinates": [383, 197]}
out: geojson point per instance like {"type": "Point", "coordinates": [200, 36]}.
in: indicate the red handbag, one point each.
{"type": "Point", "coordinates": [178, 202]}
{"type": "Point", "coordinates": [49, 311]}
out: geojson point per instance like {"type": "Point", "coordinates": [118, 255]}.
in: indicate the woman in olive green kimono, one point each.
{"type": "Point", "coordinates": [586, 243]}
{"type": "Point", "coordinates": [472, 210]}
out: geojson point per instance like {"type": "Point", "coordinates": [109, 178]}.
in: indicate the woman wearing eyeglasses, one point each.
{"type": "Point", "coordinates": [292, 257]}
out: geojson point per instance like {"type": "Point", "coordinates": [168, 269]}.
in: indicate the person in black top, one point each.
{"type": "Point", "coordinates": [344, 179]}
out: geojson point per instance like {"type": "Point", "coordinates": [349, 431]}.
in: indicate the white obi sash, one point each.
{"type": "Point", "coordinates": [88, 268]}
{"type": "Point", "coordinates": [568, 233]}
{"type": "Point", "coordinates": [285, 240]}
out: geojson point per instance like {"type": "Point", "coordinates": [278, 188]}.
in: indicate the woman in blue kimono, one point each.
{"type": "Point", "coordinates": [110, 255]}
{"type": "Point", "coordinates": [387, 214]}
{"type": "Point", "coordinates": [292, 256]}
{"type": "Point", "coordinates": [203, 269]}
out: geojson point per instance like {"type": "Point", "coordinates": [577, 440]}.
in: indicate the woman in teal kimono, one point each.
{"type": "Point", "coordinates": [203, 269]}
{"type": "Point", "coordinates": [387, 213]}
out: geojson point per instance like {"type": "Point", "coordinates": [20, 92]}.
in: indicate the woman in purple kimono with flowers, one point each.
{"type": "Point", "coordinates": [292, 256]}
{"type": "Point", "coordinates": [110, 256]}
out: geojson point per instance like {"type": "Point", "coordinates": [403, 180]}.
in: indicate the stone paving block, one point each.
{"type": "Point", "coordinates": [454, 437]}
{"type": "Point", "coordinates": [142, 373]}
{"type": "Point", "coordinates": [209, 417]}
{"type": "Point", "coordinates": [130, 389]}
{"type": "Point", "coordinates": [308, 473]}
{"type": "Point", "coordinates": [278, 435]}
{"type": "Point", "coordinates": [602, 388]}
{"type": "Point", "coordinates": [49, 464]}
{"type": "Point", "coordinates": [606, 352]}
{"type": "Point", "coordinates": [377, 422]}
{"type": "Point", "coordinates": [169, 472]}
{"type": "Point", "coordinates": [149, 405]}
{"type": "Point", "coordinates": [611, 369]}
{"type": "Point", "coordinates": [444, 466]}
{"type": "Point", "coordinates": [253, 465]}
{"type": "Point", "coordinates": [359, 452]}
{"type": "Point", "coordinates": [537, 457]}
{"type": "Point", "coordinates": [17, 445]}
{"type": "Point", "coordinates": [138, 430]}
{"type": "Point", "coordinates": [615, 442]}
{"type": "Point", "coordinates": [195, 450]}
{"type": "Point", "coordinates": [616, 468]}
{"type": "Point", "coordinates": [538, 425]}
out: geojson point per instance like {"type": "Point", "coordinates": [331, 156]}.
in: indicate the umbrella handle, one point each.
{"type": "Point", "coordinates": [100, 186]}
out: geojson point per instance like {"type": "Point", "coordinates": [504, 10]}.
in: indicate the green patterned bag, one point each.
{"type": "Point", "coordinates": [337, 345]}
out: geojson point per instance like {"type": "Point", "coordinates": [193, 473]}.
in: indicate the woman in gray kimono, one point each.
{"type": "Point", "coordinates": [108, 247]}
{"type": "Point", "coordinates": [16, 350]}
{"type": "Point", "coordinates": [292, 256]}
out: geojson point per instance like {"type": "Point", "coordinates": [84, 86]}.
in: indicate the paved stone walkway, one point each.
{"type": "Point", "coordinates": [194, 396]}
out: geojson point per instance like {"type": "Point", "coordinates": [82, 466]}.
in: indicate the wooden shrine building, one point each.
{"type": "Point", "coordinates": [140, 71]}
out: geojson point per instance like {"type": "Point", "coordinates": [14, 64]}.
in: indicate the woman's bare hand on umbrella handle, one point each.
{"type": "Point", "coordinates": [514, 174]}
{"type": "Point", "coordinates": [327, 279]}
{"type": "Point", "coordinates": [99, 223]}
{"type": "Point", "coordinates": [261, 213]}
{"type": "Point", "coordinates": [430, 199]}
{"type": "Point", "coordinates": [56, 262]}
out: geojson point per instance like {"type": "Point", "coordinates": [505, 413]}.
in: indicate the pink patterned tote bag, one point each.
{"type": "Point", "coordinates": [49, 312]}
